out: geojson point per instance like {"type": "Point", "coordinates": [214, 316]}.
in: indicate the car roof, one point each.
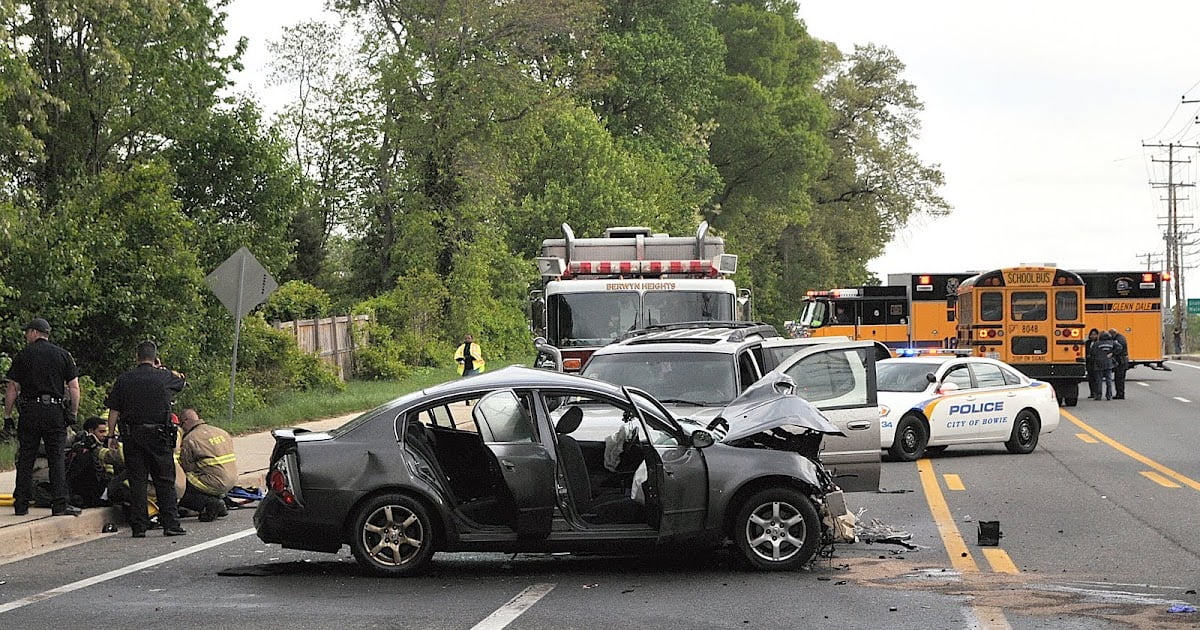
{"type": "Point", "coordinates": [517, 376]}
{"type": "Point", "coordinates": [716, 337]}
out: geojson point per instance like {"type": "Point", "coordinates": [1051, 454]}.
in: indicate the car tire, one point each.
{"type": "Point", "coordinates": [910, 441]}
{"type": "Point", "coordinates": [1025, 432]}
{"type": "Point", "coordinates": [392, 536]}
{"type": "Point", "coordinates": [777, 530]}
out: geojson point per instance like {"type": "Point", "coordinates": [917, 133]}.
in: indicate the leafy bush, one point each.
{"type": "Point", "coordinates": [379, 356]}
{"type": "Point", "coordinates": [296, 300]}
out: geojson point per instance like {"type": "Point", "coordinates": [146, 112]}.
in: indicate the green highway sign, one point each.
{"type": "Point", "coordinates": [1193, 306]}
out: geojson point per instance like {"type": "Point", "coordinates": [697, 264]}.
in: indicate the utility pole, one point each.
{"type": "Point", "coordinates": [1153, 259]}
{"type": "Point", "coordinates": [1174, 249]}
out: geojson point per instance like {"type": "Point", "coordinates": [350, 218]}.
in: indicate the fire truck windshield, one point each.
{"type": "Point", "coordinates": [592, 319]}
{"type": "Point", "coordinates": [581, 320]}
{"type": "Point", "coordinates": [669, 307]}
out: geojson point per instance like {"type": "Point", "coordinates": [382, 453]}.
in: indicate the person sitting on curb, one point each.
{"type": "Point", "coordinates": [87, 473]}
{"type": "Point", "coordinates": [210, 465]}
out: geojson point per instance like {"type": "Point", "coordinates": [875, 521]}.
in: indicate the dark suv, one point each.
{"type": "Point", "coordinates": [696, 368]}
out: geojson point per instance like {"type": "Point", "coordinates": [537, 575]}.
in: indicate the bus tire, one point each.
{"type": "Point", "coordinates": [911, 438]}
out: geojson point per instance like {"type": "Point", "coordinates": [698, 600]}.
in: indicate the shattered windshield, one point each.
{"type": "Point", "coordinates": [674, 378]}
{"type": "Point", "coordinates": [902, 376]}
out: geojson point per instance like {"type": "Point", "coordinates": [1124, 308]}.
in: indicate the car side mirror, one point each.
{"type": "Point", "coordinates": [702, 438]}
{"type": "Point", "coordinates": [930, 377]}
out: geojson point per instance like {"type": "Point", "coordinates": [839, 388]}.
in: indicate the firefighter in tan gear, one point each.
{"type": "Point", "coordinates": [210, 465]}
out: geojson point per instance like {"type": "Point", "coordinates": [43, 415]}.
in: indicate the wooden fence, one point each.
{"type": "Point", "coordinates": [331, 338]}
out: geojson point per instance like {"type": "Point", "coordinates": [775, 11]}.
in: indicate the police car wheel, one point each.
{"type": "Point", "coordinates": [1025, 433]}
{"type": "Point", "coordinates": [911, 439]}
{"type": "Point", "coordinates": [392, 536]}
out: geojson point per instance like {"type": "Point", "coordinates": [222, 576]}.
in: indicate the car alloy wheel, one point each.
{"type": "Point", "coordinates": [778, 529]}
{"type": "Point", "coordinates": [392, 536]}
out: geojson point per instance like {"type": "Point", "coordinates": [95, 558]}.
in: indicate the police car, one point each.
{"type": "Point", "coordinates": [932, 401]}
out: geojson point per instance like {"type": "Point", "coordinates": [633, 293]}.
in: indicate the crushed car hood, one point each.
{"type": "Point", "coordinates": [765, 406]}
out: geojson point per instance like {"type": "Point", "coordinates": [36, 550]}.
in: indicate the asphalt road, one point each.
{"type": "Point", "coordinates": [1099, 531]}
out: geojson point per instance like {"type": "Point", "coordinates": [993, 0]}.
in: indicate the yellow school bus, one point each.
{"type": "Point", "coordinates": [1131, 302]}
{"type": "Point", "coordinates": [1031, 317]}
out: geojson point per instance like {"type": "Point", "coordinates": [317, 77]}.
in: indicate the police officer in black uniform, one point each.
{"type": "Point", "coordinates": [43, 383]}
{"type": "Point", "coordinates": [140, 404]}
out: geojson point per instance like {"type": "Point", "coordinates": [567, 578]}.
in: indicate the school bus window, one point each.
{"type": "Point", "coordinates": [991, 306]}
{"type": "Point", "coordinates": [1066, 305]}
{"type": "Point", "coordinates": [1029, 306]}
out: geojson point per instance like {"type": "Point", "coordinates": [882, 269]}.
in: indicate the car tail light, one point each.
{"type": "Point", "coordinates": [277, 482]}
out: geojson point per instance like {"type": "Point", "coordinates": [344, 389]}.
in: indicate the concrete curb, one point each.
{"type": "Point", "coordinates": [39, 534]}
{"type": "Point", "coordinates": [24, 536]}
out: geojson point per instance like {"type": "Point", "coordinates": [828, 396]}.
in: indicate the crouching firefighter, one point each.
{"type": "Point", "coordinates": [207, 458]}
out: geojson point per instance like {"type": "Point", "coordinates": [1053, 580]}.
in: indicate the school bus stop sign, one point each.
{"type": "Point", "coordinates": [241, 283]}
{"type": "Point", "coordinates": [1193, 306]}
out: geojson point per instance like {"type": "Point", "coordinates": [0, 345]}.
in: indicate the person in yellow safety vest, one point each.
{"type": "Point", "coordinates": [209, 464]}
{"type": "Point", "coordinates": [469, 357]}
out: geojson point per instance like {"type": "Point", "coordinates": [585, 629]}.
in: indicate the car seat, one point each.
{"type": "Point", "coordinates": [617, 508]}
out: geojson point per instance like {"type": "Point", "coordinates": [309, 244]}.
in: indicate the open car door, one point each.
{"type": "Point", "coordinates": [506, 426]}
{"type": "Point", "coordinates": [839, 380]}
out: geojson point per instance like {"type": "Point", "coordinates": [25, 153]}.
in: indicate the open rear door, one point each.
{"type": "Point", "coordinates": [839, 379]}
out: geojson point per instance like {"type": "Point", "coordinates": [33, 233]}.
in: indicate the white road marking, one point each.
{"type": "Point", "coordinates": [508, 613]}
{"type": "Point", "coordinates": [1189, 364]}
{"type": "Point", "coordinates": [116, 573]}
{"type": "Point", "coordinates": [1183, 400]}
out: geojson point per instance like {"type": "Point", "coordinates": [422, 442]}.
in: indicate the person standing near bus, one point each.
{"type": "Point", "coordinates": [1105, 362]}
{"type": "Point", "coordinates": [1093, 373]}
{"type": "Point", "coordinates": [1121, 355]}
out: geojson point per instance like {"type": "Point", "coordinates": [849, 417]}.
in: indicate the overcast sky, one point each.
{"type": "Point", "coordinates": [1036, 112]}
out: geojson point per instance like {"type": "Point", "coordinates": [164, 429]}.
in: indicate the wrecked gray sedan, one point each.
{"type": "Point", "coordinates": [530, 460]}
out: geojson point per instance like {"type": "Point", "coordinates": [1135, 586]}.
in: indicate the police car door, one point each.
{"type": "Point", "coordinates": [997, 401]}
{"type": "Point", "coordinates": [839, 379]}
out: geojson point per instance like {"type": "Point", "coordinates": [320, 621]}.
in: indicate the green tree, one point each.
{"type": "Point", "coordinates": [123, 78]}
{"type": "Point", "coordinates": [875, 182]}
{"type": "Point", "coordinates": [295, 300]}
{"type": "Point", "coordinates": [235, 183]}
{"type": "Point", "coordinates": [769, 145]}
{"type": "Point", "coordinates": [327, 126]}
{"type": "Point", "coordinates": [112, 266]}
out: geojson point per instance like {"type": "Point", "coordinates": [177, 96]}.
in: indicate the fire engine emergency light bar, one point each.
{"type": "Point", "coordinates": [723, 264]}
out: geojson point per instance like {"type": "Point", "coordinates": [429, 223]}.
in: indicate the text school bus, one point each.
{"type": "Point", "coordinates": [1030, 317]}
